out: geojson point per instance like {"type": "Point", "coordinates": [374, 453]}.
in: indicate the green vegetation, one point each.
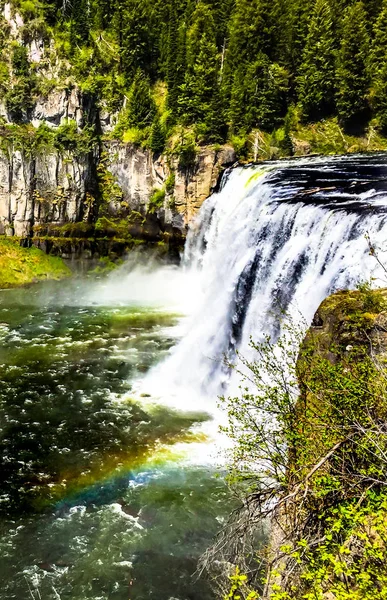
{"type": "Point", "coordinates": [157, 200]}
{"type": "Point", "coordinates": [19, 99]}
{"type": "Point", "coordinates": [20, 266]}
{"type": "Point", "coordinates": [219, 70]}
{"type": "Point", "coordinates": [310, 450]}
{"type": "Point", "coordinates": [317, 74]}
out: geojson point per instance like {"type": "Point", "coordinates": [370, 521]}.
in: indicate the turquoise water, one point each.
{"type": "Point", "coordinates": [97, 499]}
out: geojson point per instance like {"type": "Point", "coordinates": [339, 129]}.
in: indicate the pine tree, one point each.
{"type": "Point", "coordinates": [20, 62]}
{"type": "Point", "coordinates": [378, 69]}
{"type": "Point", "coordinates": [134, 31]}
{"type": "Point", "coordinates": [80, 21]}
{"type": "Point", "coordinates": [141, 107]}
{"type": "Point", "coordinates": [239, 101]}
{"type": "Point", "coordinates": [103, 11]}
{"type": "Point", "coordinates": [373, 9]}
{"type": "Point", "coordinates": [295, 22]}
{"type": "Point", "coordinates": [259, 95]}
{"type": "Point", "coordinates": [221, 12]}
{"type": "Point", "coordinates": [378, 52]}
{"type": "Point", "coordinates": [157, 137]}
{"type": "Point", "coordinates": [286, 144]}
{"type": "Point", "coordinates": [351, 75]}
{"type": "Point", "coordinates": [199, 92]}
{"type": "Point", "coordinates": [379, 98]}
{"type": "Point", "coordinates": [172, 67]}
{"type": "Point", "coordinates": [245, 41]}
{"type": "Point", "coordinates": [316, 82]}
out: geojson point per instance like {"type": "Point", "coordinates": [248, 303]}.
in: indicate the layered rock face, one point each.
{"type": "Point", "coordinates": [44, 189]}
{"type": "Point", "coordinates": [54, 189]}
{"type": "Point", "coordinates": [42, 192]}
{"type": "Point", "coordinates": [139, 174]}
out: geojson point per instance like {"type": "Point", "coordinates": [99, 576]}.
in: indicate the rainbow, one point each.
{"type": "Point", "coordinates": [105, 481]}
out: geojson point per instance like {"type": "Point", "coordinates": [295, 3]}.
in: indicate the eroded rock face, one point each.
{"type": "Point", "coordinates": [57, 189]}
{"type": "Point", "coordinates": [192, 188]}
{"type": "Point", "coordinates": [38, 190]}
{"type": "Point", "coordinates": [138, 174]}
{"type": "Point", "coordinates": [57, 107]}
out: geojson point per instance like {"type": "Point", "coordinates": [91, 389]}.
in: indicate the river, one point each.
{"type": "Point", "coordinates": [100, 498]}
{"type": "Point", "coordinates": [111, 463]}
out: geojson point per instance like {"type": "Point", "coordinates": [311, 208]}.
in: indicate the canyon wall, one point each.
{"type": "Point", "coordinates": [43, 192]}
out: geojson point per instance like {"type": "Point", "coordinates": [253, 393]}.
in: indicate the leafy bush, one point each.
{"type": "Point", "coordinates": [4, 76]}
{"type": "Point", "coordinates": [20, 99]}
{"type": "Point", "coordinates": [186, 151]}
{"type": "Point", "coordinates": [170, 183]}
{"type": "Point", "coordinates": [20, 62]}
{"type": "Point", "coordinates": [239, 143]}
{"type": "Point", "coordinates": [135, 136]}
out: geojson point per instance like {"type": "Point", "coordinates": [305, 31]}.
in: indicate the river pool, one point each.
{"type": "Point", "coordinates": [100, 497]}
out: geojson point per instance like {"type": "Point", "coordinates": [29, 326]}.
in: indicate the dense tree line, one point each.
{"type": "Point", "coordinates": [233, 65]}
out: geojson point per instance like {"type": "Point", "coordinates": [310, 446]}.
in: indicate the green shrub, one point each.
{"type": "Point", "coordinates": [239, 143]}
{"type": "Point", "coordinates": [19, 99]}
{"type": "Point", "coordinates": [186, 152]}
{"type": "Point", "coordinates": [4, 76]}
{"type": "Point", "coordinates": [170, 183]}
{"type": "Point", "coordinates": [157, 200]}
{"type": "Point", "coordinates": [135, 136]}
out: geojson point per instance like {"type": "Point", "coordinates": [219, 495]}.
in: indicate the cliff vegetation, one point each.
{"type": "Point", "coordinates": [310, 457]}
{"type": "Point", "coordinates": [177, 74]}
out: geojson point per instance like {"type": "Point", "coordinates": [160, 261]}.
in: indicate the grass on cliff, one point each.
{"type": "Point", "coordinates": [20, 266]}
{"type": "Point", "coordinates": [325, 138]}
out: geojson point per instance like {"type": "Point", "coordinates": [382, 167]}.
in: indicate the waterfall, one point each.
{"type": "Point", "coordinates": [280, 237]}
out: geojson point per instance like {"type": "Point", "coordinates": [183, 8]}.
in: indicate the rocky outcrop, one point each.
{"type": "Point", "coordinates": [58, 106]}
{"type": "Point", "coordinates": [139, 174]}
{"type": "Point", "coordinates": [326, 516]}
{"type": "Point", "coordinates": [43, 189]}
{"type": "Point", "coordinates": [192, 188]}
{"type": "Point", "coordinates": [43, 193]}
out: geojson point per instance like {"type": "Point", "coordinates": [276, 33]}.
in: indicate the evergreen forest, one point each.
{"type": "Point", "coordinates": [219, 68]}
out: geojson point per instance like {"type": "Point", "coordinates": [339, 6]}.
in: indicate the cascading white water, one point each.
{"type": "Point", "coordinates": [261, 245]}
